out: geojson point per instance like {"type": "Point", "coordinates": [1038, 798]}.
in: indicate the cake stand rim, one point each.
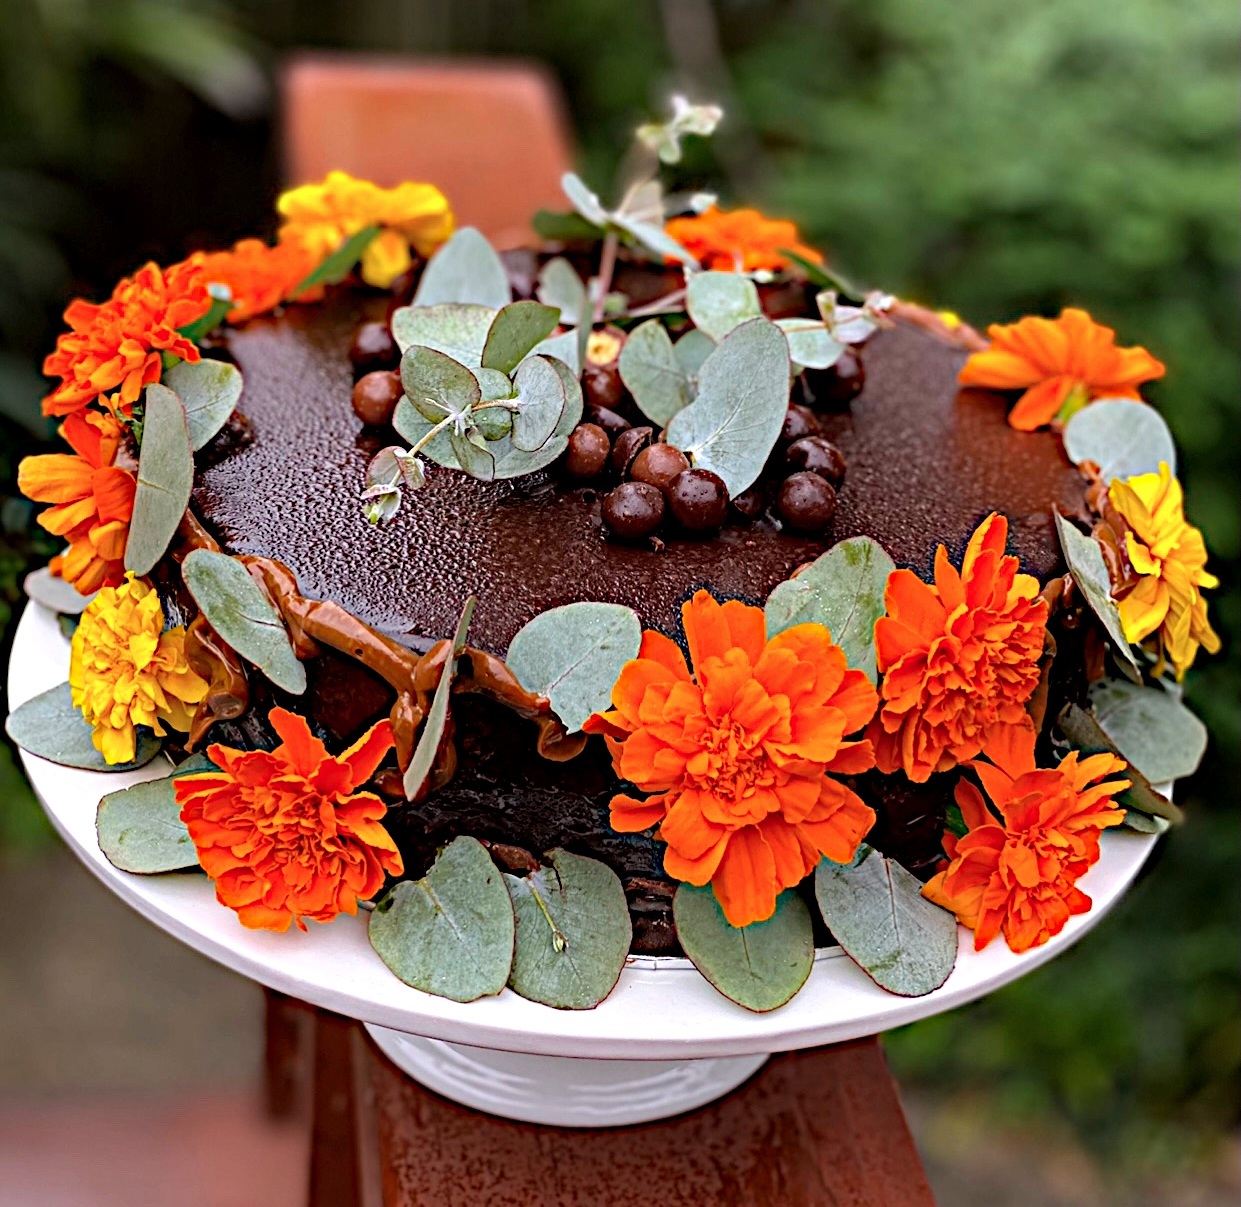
{"type": "Point", "coordinates": [660, 1010]}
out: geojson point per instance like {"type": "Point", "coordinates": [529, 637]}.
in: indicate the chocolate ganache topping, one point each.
{"type": "Point", "coordinates": [925, 464]}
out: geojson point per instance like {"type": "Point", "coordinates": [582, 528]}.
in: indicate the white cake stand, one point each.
{"type": "Point", "coordinates": [664, 1041]}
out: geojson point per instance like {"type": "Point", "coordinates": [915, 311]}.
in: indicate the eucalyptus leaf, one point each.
{"type": "Point", "coordinates": [335, 268]}
{"type": "Point", "coordinates": [540, 403]}
{"type": "Point", "coordinates": [760, 966]}
{"type": "Point", "coordinates": [876, 912]}
{"type": "Point", "coordinates": [574, 399]}
{"type": "Point", "coordinates": [221, 304]}
{"type": "Point", "coordinates": [1143, 823]}
{"type": "Point", "coordinates": [743, 394]}
{"type": "Point", "coordinates": [52, 728]}
{"type": "Point", "coordinates": [1089, 570]}
{"type": "Point", "coordinates": [516, 329]}
{"type": "Point", "coordinates": [1150, 726]}
{"type": "Point", "coordinates": [410, 424]}
{"type": "Point", "coordinates": [573, 655]}
{"type": "Point", "coordinates": [432, 734]}
{"type": "Point", "coordinates": [654, 239]}
{"type": "Point", "coordinates": [1083, 732]}
{"type": "Point", "coordinates": [573, 932]}
{"type": "Point", "coordinates": [719, 302]}
{"type": "Point", "coordinates": [1121, 436]}
{"type": "Point", "coordinates": [242, 615]}
{"type": "Point", "coordinates": [473, 455]}
{"type": "Point", "coordinates": [567, 346]}
{"type": "Point", "coordinates": [165, 479]}
{"type": "Point", "coordinates": [140, 828]}
{"type": "Point", "coordinates": [466, 269]}
{"type": "Point", "coordinates": [652, 373]}
{"type": "Point", "coordinates": [565, 227]}
{"type": "Point", "coordinates": [513, 462]}
{"type": "Point", "coordinates": [51, 591]}
{"type": "Point", "coordinates": [561, 287]}
{"type": "Point", "coordinates": [493, 423]}
{"type": "Point", "coordinates": [584, 200]}
{"type": "Point", "coordinates": [209, 390]}
{"type": "Point", "coordinates": [842, 589]}
{"type": "Point", "coordinates": [810, 344]}
{"type": "Point", "coordinates": [692, 350]}
{"type": "Point", "coordinates": [450, 933]}
{"type": "Point", "coordinates": [432, 377]}
{"type": "Point", "coordinates": [457, 330]}
{"type": "Point", "coordinates": [493, 384]}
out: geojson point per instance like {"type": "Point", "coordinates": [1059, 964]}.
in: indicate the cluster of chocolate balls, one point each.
{"type": "Point", "coordinates": [655, 482]}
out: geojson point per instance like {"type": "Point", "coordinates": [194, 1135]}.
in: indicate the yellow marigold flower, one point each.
{"type": "Point", "coordinates": [324, 215]}
{"type": "Point", "coordinates": [1169, 557]}
{"type": "Point", "coordinates": [126, 670]}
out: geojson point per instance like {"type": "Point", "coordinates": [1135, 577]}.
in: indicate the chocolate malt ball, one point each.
{"type": "Point", "coordinates": [806, 502]}
{"type": "Point", "coordinates": [588, 451]}
{"type": "Point", "coordinates": [699, 500]}
{"type": "Point", "coordinates": [373, 348]}
{"type": "Point", "coordinates": [658, 464]}
{"type": "Point", "coordinates": [375, 396]}
{"type": "Point", "coordinates": [633, 510]}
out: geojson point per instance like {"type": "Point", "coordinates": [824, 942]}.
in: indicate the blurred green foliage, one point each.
{"type": "Point", "coordinates": [997, 158]}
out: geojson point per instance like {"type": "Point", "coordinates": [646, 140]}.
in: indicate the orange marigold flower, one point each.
{"type": "Point", "coordinates": [324, 215]}
{"type": "Point", "coordinates": [959, 658]}
{"type": "Point", "coordinates": [1169, 557]}
{"type": "Point", "coordinates": [740, 754]}
{"type": "Point", "coordinates": [739, 240]}
{"type": "Point", "coordinates": [258, 276]}
{"type": "Point", "coordinates": [93, 500]}
{"type": "Point", "coordinates": [1018, 873]}
{"type": "Point", "coordinates": [285, 834]}
{"type": "Point", "coordinates": [117, 345]}
{"type": "Point", "coordinates": [1061, 364]}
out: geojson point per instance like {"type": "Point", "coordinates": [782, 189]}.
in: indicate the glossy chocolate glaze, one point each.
{"type": "Point", "coordinates": [925, 464]}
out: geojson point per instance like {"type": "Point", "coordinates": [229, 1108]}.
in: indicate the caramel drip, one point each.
{"type": "Point", "coordinates": [228, 692]}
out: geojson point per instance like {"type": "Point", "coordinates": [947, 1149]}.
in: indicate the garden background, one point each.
{"type": "Point", "coordinates": [999, 159]}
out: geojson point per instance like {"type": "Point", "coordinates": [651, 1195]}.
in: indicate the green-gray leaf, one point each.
{"type": "Point", "coordinates": [474, 458]}
{"type": "Point", "coordinates": [810, 344]}
{"type": "Point", "coordinates": [140, 828]}
{"type": "Point", "coordinates": [743, 394]}
{"type": "Point", "coordinates": [1084, 733]}
{"type": "Point", "coordinates": [50, 726]}
{"type": "Point", "coordinates": [718, 302]}
{"type": "Point", "coordinates": [1089, 570]}
{"type": "Point", "coordinates": [1151, 728]}
{"type": "Point", "coordinates": [652, 373]}
{"type": "Point", "coordinates": [209, 390]}
{"type": "Point", "coordinates": [561, 287]}
{"type": "Point", "coordinates": [567, 347]}
{"type": "Point", "coordinates": [335, 268]}
{"type": "Point", "coordinates": [573, 932]}
{"type": "Point", "coordinates": [541, 401]}
{"type": "Point", "coordinates": [760, 966]}
{"type": "Point", "coordinates": [450, 933]}
{"type": "Point", "coordinates": [428, 375]}
{"type": "Point", "coordinates": [423, 759]}
{"type": "Point", "coordinates": [1121, 436]}
{"type": "Point", "coordinates": [466, 269]}
{"type": "Point", "coordinates": [165, 479]}
{"type": "Point", "coordinates": [239, 611]}
{"type": "Point", "coordinates": [876, 912]}
{"type": "Point", "coordinates": [53, 592]}
{"type": "Point", "coordinates": [457, 330]}
{"type": "Point", "coordinates": [517, 328]}
{"type": "Point", "coordinates": [654, 238]}
{"type": "Point", "coordinates": [584, 200]}
{"type": "Point", "coordinates": [692, 350]}
{"type": "Point", "coordinates": [842, 589]}
{"type": "Point", "coordinates": [573, 655]}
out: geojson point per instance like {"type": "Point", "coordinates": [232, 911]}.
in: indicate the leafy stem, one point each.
{"type": "Point", "coordinates": [607, 267]}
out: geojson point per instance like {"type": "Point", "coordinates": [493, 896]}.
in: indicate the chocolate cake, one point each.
{"type": "Point", "coordinates": [652, 590]}
{"type": "Point", "coordinates": [924, 463]}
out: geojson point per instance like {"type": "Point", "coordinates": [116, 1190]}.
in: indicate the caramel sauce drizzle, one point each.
{"type": "Point", "coordinates": [413, 676]}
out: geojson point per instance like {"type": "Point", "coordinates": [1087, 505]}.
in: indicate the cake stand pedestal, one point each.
{"type": "Point", "coordinates": [566, 1091]}
{"type": "Point", "coordinates": [664, 1041]}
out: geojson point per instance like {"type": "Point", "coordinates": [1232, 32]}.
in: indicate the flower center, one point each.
{"type": "Point", "coordinates": [730, 765]}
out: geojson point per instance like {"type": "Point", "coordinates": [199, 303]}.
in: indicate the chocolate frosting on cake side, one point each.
{"type": "Point", "coordinates": [925, 463]}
